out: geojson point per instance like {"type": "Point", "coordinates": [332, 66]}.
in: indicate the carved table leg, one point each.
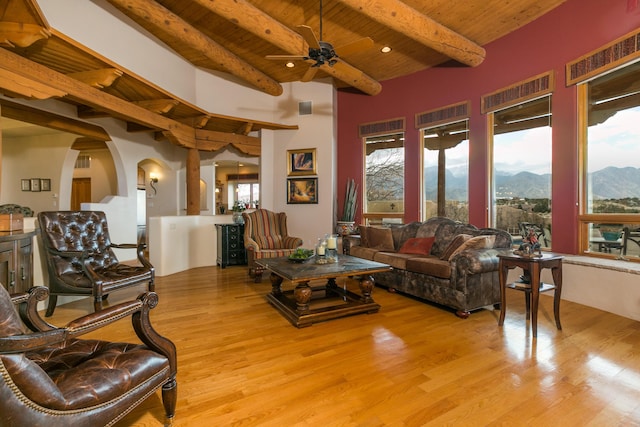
{"type": "Point", "coordinates": [302, 294]}
{"type": "Point", "coordinates": [366, 287]}
{"type": "Point", "coordinates": [331, 283]}
{"type": "Point", "coordinates": [276, 284]}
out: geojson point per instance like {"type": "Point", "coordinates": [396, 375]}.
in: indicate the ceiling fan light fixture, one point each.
{"type": "Point", "coordinates": [386, 49]}
{"type": "Point", "coordinates": [290, 64]}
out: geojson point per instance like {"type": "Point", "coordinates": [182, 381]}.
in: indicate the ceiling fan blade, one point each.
{"type": "Point", "coordinates": [286, 57]}
{"type": "Point", "coordinates": [355, 47]}
{"type": "Point", "coordinates": [309, 74]}
{"type": "Point", "coordinates": [307, 34]}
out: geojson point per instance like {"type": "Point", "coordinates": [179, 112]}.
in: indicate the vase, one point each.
{"type": "Point", "coordinates": [345, 228]}
{"type": "Point", "coordinates": [237, 218]}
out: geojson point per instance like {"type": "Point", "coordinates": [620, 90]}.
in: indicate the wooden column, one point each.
{"type": "Point", "coordinates": [193, 181]}
{"type": "Point", "coordinates": [442, 169]}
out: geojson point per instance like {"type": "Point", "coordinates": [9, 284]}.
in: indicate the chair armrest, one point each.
{"type": "Point", "coordinates": [106, 316]}
{"type": "Point", "coordinates": [250, 244]}
{"type": "Point", "coordinates": [27, 304]}
{"type": "Point", "coordinates": [140, 247]}
{"type": "Point", "coordinates": [33, 341]}
{"type": "Point", "coordinates": [290, 242]}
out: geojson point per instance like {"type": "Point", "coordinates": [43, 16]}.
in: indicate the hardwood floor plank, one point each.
{"type": "Point", "coordinates": [241, 363]}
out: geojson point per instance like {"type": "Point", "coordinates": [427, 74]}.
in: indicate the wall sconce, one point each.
{"type": "Point", "coordinates": [154, 180]}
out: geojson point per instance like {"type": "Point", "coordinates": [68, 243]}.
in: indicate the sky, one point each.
{"type": "Point", "coordinates": [613, 143]}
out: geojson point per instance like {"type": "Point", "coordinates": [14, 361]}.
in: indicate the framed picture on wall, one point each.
{"type": "Point", "coordinates": [45, 184]}
{"type": "Point", "coordinates": [25, 184]}
{"type": "Point", "coordinates": [301, 162]}
{"type": "Point", "coordinates": [35, 184]}
{"type": "Point", "coordinates": [302, 190]}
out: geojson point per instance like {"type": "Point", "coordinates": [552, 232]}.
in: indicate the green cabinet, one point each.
{"type": "Point", "coordinates": [230, 245]}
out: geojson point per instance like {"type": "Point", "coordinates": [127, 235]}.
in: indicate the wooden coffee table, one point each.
{"type": "Point", "coordinates": [305, 305]}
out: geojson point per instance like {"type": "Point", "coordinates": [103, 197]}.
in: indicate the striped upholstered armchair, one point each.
{"type": "Point", "coordinates": [265, 236]}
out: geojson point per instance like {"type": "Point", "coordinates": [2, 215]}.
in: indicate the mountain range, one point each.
{"type": "Point", "coordinates": [608, 183]}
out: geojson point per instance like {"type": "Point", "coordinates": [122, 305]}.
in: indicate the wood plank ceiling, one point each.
{"type": "Point", "coordinates": [235, 36]}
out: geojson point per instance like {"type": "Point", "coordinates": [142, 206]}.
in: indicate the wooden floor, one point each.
{"type": "Point", "coordinates": [240, 363]}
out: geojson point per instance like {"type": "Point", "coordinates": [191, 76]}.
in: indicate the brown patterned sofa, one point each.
{"type": "Point", "coordinates": [439, 260]}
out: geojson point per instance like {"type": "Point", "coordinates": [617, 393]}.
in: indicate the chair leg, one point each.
{"type": "Point", "coordinates": [169, 399]}
{"type": "Point", "coordinates": [53, 300]}
{"type": "Point", "coordinates": [97, 303]}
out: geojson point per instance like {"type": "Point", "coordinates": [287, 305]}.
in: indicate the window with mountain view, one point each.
{"type": "Point", "coordinates": [611, 202]}
{"type": "Point", "coordinates": [384, 178]}
{"type": "Point", "coordinates": [521, 185]}
{"type": "Point", "coordinates": [446, 167]}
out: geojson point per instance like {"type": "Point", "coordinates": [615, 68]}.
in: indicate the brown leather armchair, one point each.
{"type": "Point", "coordinates": [80, 258]}
{"type": "Point", "coordinates": [266, 236]}
{"type": "Point", "coordinates": [50, 377]}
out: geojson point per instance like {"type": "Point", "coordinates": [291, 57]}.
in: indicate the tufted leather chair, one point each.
{"type": "Point", "coordinates": [266, 236]}
{"type": "Point", "coordinates": [50, 377]}
{"type": "Point", "coordinates": [80, 259]}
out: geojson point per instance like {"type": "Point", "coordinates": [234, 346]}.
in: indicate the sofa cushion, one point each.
{"type": "Point", "coordinates": [417, 245]}
{"type": "Point", "coordinates": [431, 266]}
{"type": "Point", "coordinates": [362, 252]}
{"type": "Point", "coordinates": [377, 238]}
{"type": "Point", "coordinates": [269, 241]}
{"type": "Point", "coordinates": [445, 233]}
{"type": "Point", "coordinates": [453, 245]}
{"type": "Point", "coordinates": [394, 259]}
{"type": "Point", "coordinates": [477, 242]}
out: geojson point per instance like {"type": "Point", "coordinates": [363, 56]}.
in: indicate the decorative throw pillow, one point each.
{"type": "Point", "coordinates": [380, 238]}
{"type": "Point", "coordinates": [417, 245]}
{"type": "Point", "coordinates": [478, 242]}
{"type": "Point", "coordinates": [453, 245]}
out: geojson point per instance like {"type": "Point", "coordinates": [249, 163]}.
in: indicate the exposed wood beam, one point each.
{"type": "Point", "coordinates": [158, 106]}
{"type": "Point", "coordinates": [208, 140]}
{"type": "Point", "coordinates": [94, 98]}
{"type": "Point", "coordinates": [98, 78]}
{"type": "Point", "coordinates": [19, 34]}
{"type": "Point", "coordinates": [42, 118]}
{"type": "Point", "coordinates": [408, 21]}
{"type": "Point", "coordinates": [87, 144]}
{"type": "Point", "coordinates": [20, 86]}
{"type": "Point", "coordinates": [252, 19]}
{"type": "Point", "coordinates": [171, 24]}
{"type": "Point", "coordinates": [193, 181]}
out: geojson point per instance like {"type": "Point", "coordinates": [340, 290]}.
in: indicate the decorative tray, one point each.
{"type": "Point", "coordinates": [301, 255]}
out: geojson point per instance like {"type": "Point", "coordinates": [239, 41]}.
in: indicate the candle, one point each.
{"type": "Point", "coordinates": [321, 250]}
{"type": "Point", "coordinates": [331, 243]}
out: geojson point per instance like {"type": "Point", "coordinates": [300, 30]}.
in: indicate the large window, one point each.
{"type": "Point", "coordinates": [446, 171]}
{"type": "Point", "coordinates": [521, 185]}
{"type": "Point", "coordinates": [610, 219]}
{"type": "Point", "coordinates": [384, 180]}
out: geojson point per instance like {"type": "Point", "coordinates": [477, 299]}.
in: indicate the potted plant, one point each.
{"type": "Point", "coordinates": [346, 224]}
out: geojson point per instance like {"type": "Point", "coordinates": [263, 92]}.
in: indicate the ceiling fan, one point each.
{"type": "Point", "coordinates": [321, 52]}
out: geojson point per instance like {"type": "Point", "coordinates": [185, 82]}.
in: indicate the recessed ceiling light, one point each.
{"type": "Point", "coordinates": [385, 49]}
{"type": "Point", "coordinates": [290, 64]}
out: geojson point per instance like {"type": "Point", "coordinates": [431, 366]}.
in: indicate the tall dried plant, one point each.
{"type": "Point", "coordinates": [350, 202]}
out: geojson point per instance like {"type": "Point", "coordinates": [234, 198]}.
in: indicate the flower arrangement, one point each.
{"type": "Point", "coordinates": [238, 206]}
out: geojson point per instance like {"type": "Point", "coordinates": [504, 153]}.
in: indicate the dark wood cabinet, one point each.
{"type": "Point", "coordinates": [230, 245]}
{"type": "Point", "coordinates": [16, 261]}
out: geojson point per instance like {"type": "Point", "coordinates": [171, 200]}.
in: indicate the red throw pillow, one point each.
{"type": "Point", "coordinates": [418, 246]}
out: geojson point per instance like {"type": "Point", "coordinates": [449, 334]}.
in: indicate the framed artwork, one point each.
{"type": "Point", "coordinates": [301, 162]}
{"type": "Point", "coordinates": [45, 184]}
{"type": "Point", "coordinates": [302, 191]}
{"type": "Point", "coordinates": [25, 185]}
{"type": "Point", "coordinates": [35, 184]}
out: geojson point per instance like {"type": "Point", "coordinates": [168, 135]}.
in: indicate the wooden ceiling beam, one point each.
{"type": "Point", "coordinates": [208, 140]}
{"type": "Point", "coordinates": [20, 86]}
{"type": "Point", "coordinates": [99, 79]}
{"type": "Point", "coordinates": [19, 34]}
{"type": "Point", "coordinates": [81, 93]}
{"type": "Point", "coordinates": [406, 20]}
{"type": "Point", "coordinates": [252, 19]}
{"type": "Point", "coordinates": [158, 106]}
{"type": "Point", "coordinates": [168, 22]}
{"type": "Point", "coordinates": [23, 113]}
